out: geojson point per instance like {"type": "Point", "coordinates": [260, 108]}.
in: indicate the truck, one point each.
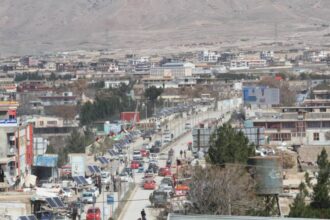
{"type": "Point", "coordinates": [130, 116]}
{"type": "Point", "coordinates": [78, 164]}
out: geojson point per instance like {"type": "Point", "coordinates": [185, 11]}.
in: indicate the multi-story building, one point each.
{"type": "Point", "coordinates": [295, 125]}
{"type": "Point", "coordinates": [174, 70]}
{"type": "Point", "coordinates": [208, 56]}
{"type": "Point", "coordinates": [66, 98]}
{"type": "Point", "coordinates": [16, 146]}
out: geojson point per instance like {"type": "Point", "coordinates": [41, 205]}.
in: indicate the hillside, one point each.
{"type": "Point", "coordinates": [33, 26]}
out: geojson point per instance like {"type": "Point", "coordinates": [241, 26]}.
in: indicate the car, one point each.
{"type": "Point", "coordinates": [166, 188]}
{"type": "Point", "coordinates": [146, 146]}
{"type": "Point", "coordinates": [148, 174]}
{"type": "Point", "coordinates": [87, 197]}
{"type": "Point", "coordinates": [135, 165]}
{"type": "Point", "coordinates": [167, 181]}
{"type": "Point", "coordinates": [137, 155]}
{"type": "Point", "coordinates": [149, 184]}
{"type": "Point", "coordinates": [105, 177]}
{"type": "Point", "coordinates": [128, 170]}
{"type": "Point", "coordinates": [153, 167]}
{"type": "Point", "coordinates": [153, 156]}
{"type": "Point", "coordinates": [154, 149]}
{"type": "Point", "coordinates": [144, 153]}
{"type": "Point", "coordinates": [164, 171]}
{"type": "Point", "coordinates": [124, 177]}
{"type": "Point", "coordinates": [94, 191]}
{"type": "Point", "coordinates": [93, 214]}
{"type": "Point", "coordinates": [187, 126]}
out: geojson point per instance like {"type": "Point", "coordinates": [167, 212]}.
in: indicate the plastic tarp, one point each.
{"type": "Point", "coordinates": [46, 161]}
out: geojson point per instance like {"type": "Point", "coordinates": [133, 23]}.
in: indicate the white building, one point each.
{"type": "Point", "coordinates": [173, 70]}
{"type": "Point", "coordinates": [208, 56]}
{"type": "Point", "coordinates": [114, 83]}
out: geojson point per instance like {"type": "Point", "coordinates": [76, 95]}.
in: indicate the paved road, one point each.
{"type": "Point", "coordinates": [140, 198]}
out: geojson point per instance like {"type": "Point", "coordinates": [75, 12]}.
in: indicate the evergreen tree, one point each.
{"type": "Point", "coordinates": [298, 207]}
{"type": "Point", "coordinates": [229, 146]}
{"type": "Point", "coordinates": [321, 197]}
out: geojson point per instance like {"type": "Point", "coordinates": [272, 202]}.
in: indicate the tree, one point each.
{"type": "Point", "coordinates": [321, 197]}
{"type": "Point", "coordinates": [229, 146]}
{"type": "Point", "coordinates": [152, 93]}
{"type": "Point", "coordinates": [222, 191]}
{"type": "Point", "coordinates": [287, 96]}
{"type": "Point", "coordinates": [298, 207]}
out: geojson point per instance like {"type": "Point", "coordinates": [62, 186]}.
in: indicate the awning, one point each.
{"type": "Point", "coordinates": [46, 160]}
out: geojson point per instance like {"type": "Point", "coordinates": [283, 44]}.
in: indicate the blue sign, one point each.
{"type": "Point", "coordinates": [8, 121]}
{"type": "Point", "coordinates": [110, 199]}
{"type": "Point", "coordinates": [46, 161]}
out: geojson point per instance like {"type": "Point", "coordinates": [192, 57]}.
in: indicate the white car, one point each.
{"type": "Point", "coordinates": [124, 177]}
{"type": "Point", "coordinates": [105, 177]}
{"type": "Point", "coordinates": [146, 146]}
{"type": "Point", "coordinates": [95, 191]}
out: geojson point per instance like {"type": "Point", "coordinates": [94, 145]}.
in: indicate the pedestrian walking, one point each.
{"type": "Point", "coordinates": [143, 215]}
{"type": "Point", "coordinates": [185, 154]}
{"type": "Point", "coordinates": [181, 152]}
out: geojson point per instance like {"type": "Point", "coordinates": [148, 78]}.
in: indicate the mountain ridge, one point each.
{"type": "Point", "coordinates": [34, 26]}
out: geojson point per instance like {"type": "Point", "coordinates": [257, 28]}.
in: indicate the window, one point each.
{"type": "Point", "coordinates": [316, 136]}
{"type": "Point", "coordinates": [51, 122]}
{"type": "Point", "coordinates": [41, 123]}
{"type": "Point", "coordinates": [313, 124]}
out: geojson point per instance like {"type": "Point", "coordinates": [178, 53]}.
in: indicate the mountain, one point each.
{"type": "Point", "coordinates": [33, 26]}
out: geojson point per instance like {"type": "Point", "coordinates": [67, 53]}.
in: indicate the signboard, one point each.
{"type": "Point", "coordinates": [46, 161]}
{"type": "Point", "coordinates": [261, 95]}
{"type": "Point", "coordinates": [110, 199]}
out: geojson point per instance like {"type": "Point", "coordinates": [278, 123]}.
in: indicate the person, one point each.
{"type": "Point", "coordinates": [181, 152]}
{"type": "Point", "coordinates": [74, 212]}
{"type": "Point", "coordinates": [143, 215]}
{"type": "Point", "coordinates": [185, 154]}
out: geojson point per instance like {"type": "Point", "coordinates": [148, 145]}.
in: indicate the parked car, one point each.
{"type": "Point", "coordinates": [149, 184]}
{"type": "Point", "coordinates": [164, 171]}
{"type": "Point", "coordinates": [93, 214]}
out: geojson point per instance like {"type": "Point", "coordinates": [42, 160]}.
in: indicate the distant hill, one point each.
{"type": "Point", "coordinates": [32, 26]}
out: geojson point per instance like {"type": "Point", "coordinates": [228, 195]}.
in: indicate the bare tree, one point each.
{"type": "Point", "coordinates": [226, 191]}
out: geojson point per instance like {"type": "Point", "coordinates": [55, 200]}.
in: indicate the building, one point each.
{"type": "Point", "coordinates": [255, 95]}
{"type": "Point", "coordinates": [208, 56]}
{"type": "Point", "coordinates": [245, 63]}
{"type": "Point", "coordinates": [173, 70]}
{"type": "Point", "coordinates": [50, 99]}
{"type": "Point", "coordinates": [16, 146]}
{"type": "Point", "coordinates": [295, 125]}
{"type": "Point", "coordinates": [115, 83]}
